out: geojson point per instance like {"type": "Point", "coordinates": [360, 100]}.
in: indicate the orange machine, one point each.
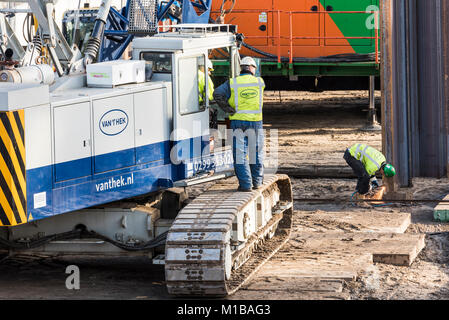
{"type": "Point", "coordinates": [304, 28]}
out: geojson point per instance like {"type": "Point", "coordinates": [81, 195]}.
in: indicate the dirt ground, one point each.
{"type": "Point", "coordinates": [428, 277]}
{"type": "Point", "coordinates": [317, 130]}
{"type": "Point", "coordinates": [314, 129]}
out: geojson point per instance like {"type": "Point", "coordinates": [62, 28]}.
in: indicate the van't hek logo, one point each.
{"type": "Point", "coordinates": [114, 122]}
{"type": "Point", "coordinates": [249, 93]}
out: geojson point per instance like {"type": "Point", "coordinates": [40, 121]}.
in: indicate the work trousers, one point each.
{"type": "Point", "coordinates": [360, 171]}
{"type": "Point", "coordinates": [248, 152]}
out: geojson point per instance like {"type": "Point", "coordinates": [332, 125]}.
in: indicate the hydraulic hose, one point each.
{"type": "Point", "coordinates": [224, 12]}
{"type": "Point", "coordinates": [94, 43]}
{"type": "Point", "coordinates": [338, 58]}
{"type": "Point", "coordinates": [37, 41]}
{"type": "Point", "coordinates": [83, 234]}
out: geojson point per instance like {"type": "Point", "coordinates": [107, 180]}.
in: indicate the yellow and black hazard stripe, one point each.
{"type": "Point", "coordinates": [13, 208]}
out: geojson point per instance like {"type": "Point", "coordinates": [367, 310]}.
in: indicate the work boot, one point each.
{"type": "Point", "coordinates": [243, 190]}
{"type": "Point", "coordinates": [257, 187]}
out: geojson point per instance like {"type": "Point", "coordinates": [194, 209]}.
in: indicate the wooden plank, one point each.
{"type": "Point", "coordinates": [442, 206]}
{"type": "Point", "coordinates": [353, 221]}
{"type": "Point", "coordinates": [274, 294]}
{"type": "Point", "coordinates": [327, 248]}
{"type": "Point", "coordinates": [312, 264]}
{"type": "Point", "coordinates": [400, 253]}
{"type": "Point", "coordinates": [334, 256]}
{"type": "Point", "coordinates": [389, 248]}
{"type": "Point", "coordinates": [296, 284]}
{"type": "Point", "coordinates": [307, 273]}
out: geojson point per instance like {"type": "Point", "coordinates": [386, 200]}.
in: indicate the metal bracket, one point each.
{"type": "Point", "coordinates": [51, 27]}
{"type": "Point", "coordinates": [160, 259]}
{"type": "Point", "coordinates": [203, 179]}
{"type": "Point", "coordinates": [9, 39]}
{"type": "Point", "coordinates": [60, 51]}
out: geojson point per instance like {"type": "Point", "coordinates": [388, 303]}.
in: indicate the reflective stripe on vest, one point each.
{"type": "Point", "coordinates": [235, 86]}
{"type": "Point", "coordinates": [364, 154]}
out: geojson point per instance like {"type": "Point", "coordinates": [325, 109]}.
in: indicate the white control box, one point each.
{"type": "Point", "coordinates": [115, 73]}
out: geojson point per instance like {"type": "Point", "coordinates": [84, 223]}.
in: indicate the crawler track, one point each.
{"type": "Point", "coordinates": [220, 240]}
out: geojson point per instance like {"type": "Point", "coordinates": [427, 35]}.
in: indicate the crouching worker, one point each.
{"type": "Point", "coordinates": [366, 161]}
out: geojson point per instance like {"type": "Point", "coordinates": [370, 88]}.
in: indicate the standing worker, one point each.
{"type": "Point", "coordinates": [365, 161]}
{"type": "Point", "coordinates": [242, 98]}
{"type": "Point", "coordinates": [202, 80]}
{"type": "Point", "coordinates": [202, 89]}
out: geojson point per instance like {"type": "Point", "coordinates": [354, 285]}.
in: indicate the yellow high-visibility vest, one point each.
{"type": "Point", "coordinates": [202, 86]}
{"type": "Point", "coordinates": [371, 158]}
{"type": "Point", "coordinates": [247, 97]}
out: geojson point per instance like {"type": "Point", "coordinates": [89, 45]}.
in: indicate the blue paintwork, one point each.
{"type": "Point", "coordinates": [163, 9]}
{"type": "Point", "coordinates": [125, 158]}
{"type": "Point", "coordinates": [116, 37]}
{"type": "Point", "coordinates": [73, 169]}
{"type": "Point", "coordinates": [153, 152]}
{"type": "Point", "coordinates": [153, 171]}
{"type": "Point", "coordinates": [189, 14]}
{"type": "Point", "coordinates": [191, 148]}
{"type": "Point", "coordinates": [116, 160]}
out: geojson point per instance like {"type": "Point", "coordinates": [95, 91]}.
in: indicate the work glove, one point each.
{"type": "Point", "coordinates": [374, 183]}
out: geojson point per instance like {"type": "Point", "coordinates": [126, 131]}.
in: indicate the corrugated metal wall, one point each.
{"type": "Point", "coordinates": [433, 136]}
{"type": "Point", "coordinates": [415, 87]}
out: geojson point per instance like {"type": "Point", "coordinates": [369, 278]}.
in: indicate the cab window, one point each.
{"type": "Point", "coordinates": [193, 89]}
{"type": "Point", "coordinates": [157, 62]}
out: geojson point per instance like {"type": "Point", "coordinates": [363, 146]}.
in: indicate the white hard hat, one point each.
{"type": "Point", "coordinates": [248, 61]}
{"type": "Point", "coordinates": [210, 65]}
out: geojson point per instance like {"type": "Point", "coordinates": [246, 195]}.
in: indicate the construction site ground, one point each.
{"type": "Point", "coordinates": [337, 249]}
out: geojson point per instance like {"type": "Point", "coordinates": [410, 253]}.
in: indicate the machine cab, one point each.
{"type": "Point", "coordinates": [181, 57]}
